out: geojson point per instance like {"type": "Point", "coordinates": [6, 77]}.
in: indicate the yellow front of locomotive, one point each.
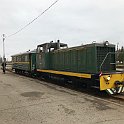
{"type": "Point", "coordinates": [113, 83]}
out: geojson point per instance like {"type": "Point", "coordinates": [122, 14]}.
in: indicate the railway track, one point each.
{"type": "Point", "coordinates": [119, 96]}
{"type": "Point", "coordinates": [117, 99]}
{"type": "Point", "coordinates": [102, 95]}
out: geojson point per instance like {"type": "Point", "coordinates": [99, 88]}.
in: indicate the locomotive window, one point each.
{"type": "Point", "coordinates": [51, 49]}
{"type": "Point", "coordinates": [39, 49]}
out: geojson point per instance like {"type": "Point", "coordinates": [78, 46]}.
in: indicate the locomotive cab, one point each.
{"type": "Point", "coordinates": [48, 47]}
{"type": "Point", "coordinates": [43, 57]}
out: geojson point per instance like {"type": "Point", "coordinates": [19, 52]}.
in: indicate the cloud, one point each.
{"type": "Point", "coordinates": [73, 22]}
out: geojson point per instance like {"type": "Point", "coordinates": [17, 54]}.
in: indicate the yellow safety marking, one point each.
{"type": "Point", "coordinates": [105, 84]}
{"type": "Point", "coordinates": [81, 75]}
{"type": "Point", "coordinates": [21, 63]}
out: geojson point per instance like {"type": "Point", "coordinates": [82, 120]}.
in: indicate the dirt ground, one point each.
{"type": "Point", "coordinates": [25, 100]}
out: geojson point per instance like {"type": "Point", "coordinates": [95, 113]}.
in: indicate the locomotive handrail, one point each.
{"type": "Point", "coordinates": [105, 59]}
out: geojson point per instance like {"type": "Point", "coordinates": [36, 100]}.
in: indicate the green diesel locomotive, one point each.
{"type": "Point", "coordinates": [92, 64]}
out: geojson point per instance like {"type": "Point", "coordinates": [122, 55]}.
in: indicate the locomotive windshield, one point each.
{"type": "Point", "coordinates": [47, 47]}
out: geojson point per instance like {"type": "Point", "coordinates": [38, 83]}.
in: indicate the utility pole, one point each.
{"type": "Point", "coordinates": [4, 59]}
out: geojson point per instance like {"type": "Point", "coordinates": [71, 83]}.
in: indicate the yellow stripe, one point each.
{"type": "Point", "coordinates": [21, 62]}
{"type": "Point", "coordinates": [81, 75]}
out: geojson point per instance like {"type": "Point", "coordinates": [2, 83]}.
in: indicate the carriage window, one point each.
{"type": "Point", "coordinates": [14, 59]}
{"type": "Point", "coordinates": [23, 58]}
{"type": "Point", "coordinates": [18, 59]}
{"type": "Point", "coordinates": [26, 58]}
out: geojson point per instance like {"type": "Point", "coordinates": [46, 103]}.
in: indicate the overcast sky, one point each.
{"type": "Point", "coordinates": [74, 22]}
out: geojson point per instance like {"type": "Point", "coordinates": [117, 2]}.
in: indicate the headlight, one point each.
{"type": "Point", "coordinates": [108, 78]}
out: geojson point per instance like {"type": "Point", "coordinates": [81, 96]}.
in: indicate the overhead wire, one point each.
{"type": "Point", "coordinates": [33, 20]}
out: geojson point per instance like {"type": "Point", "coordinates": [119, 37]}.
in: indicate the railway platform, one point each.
{"type": "Point", "coordinates": [25, 100]}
